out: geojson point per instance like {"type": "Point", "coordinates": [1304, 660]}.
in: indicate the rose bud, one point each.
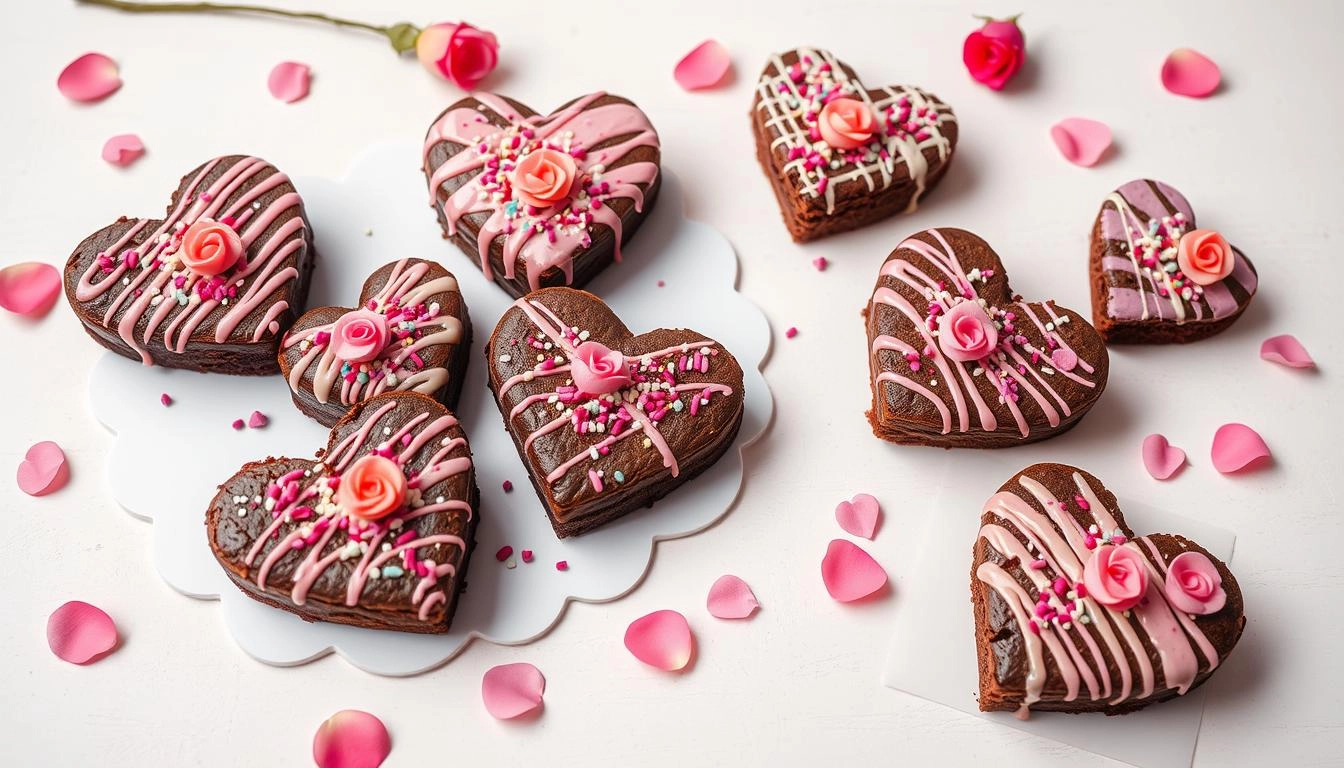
{"type": "Point", "coordinates": [459, 53]}
{"type": "Point", "coordinates": [995, 52]}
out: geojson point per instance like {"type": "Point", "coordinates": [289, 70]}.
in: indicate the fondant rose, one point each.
{"type": "Point", "coordinates": [995, 52]}
{"type": "Point", "coordinates": [1204, 256]}
{"type": "Point", "coordinates": [459, 53]}
{"type": "Point", "coordinates": [544, 177]}
{"type": "Point", "coordinates": [372, 488]}
{"type": "Point", "coordinates": [598, 370]}
{"type": "Point", "coordinates": [359, 336]}
{"type": "Point", "coordinates": [966, 333]}
{"type": "Point", "coordinates": [1194, 584]}
{"type": "Point", "coordinates": [1116, 577]}
{"type": "Point", "coordinates": [210, 248]}
{"type": "Point", "coordinates": [846, 123]}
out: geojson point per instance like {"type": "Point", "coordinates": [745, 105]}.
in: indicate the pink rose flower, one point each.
{"type": "Point", "coordinates": [544, 177]}
{"type": "Point", "coordinates": [1194, 584]}
{"type": "Point", "coordinates": [1204, 256]}
{"type": "Point", "coordinates": [1116, 577]}
{"type": "Point", "coordinates": [459, 53]}
{"type": "Point", "coordinates": [372, 488]}
{"type": "Point", "coordinates": [210, 248]}
{"type": "Point", "coordinates": [359, 336]}
{"type": "Point", "coordinates": [995, 52]}
{"type": "Point", "coordinates": [966, 333]}
{"type": "Point", "coordinates": [598, 370]}
{"type": "Point", "coordinates": [846, 123]}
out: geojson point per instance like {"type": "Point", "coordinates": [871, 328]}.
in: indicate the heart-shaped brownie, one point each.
{"type": "Point", "coordinates": [605, 421]}
{"type": "Point", "coordinates": [376, 532]}
{"type": "Point", "coordinates": [1074, 613]}
{"type": "Point", "coordinates": [1158, 279]}
{"type": "Point", "coordinates": [211, 287]}
{"type": "Point", "coordinates": [541, 201]}
{"type": "Point", "coordinates": [839, 155]}
{"type": "Point", "coordinates": [959, 360]}
{"type": "Point", "coordinates": [410, 331]}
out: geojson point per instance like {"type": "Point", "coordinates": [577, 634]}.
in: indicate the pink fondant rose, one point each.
{"type": "Point", "coordinates": [544, 177]}
{"type": "Point", "coordinates": [598, 370]}
{"type": "Point", "coordinates": [1194, 584]}
{"type": "Point", "coordinates": [995, 52]}
{"type": "Point", "coordinates": [459, 53]}
{"type": "Point", "coordinates": [1116, 577]}
{"type": "Point", "coordinates": [966, 333]}
{"type": "Point", "coordinates": [359, 336]}
{"type": "Point", "coordinates": [372, 488]}
{"type": "Point", "coordinates": [846, 123]}
{"type": "Point", "coordinates": [1204, 256]}
{"type": "Point", "coordinates": [210, 248]}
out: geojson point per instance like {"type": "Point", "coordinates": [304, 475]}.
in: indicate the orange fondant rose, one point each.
{"type": "Point", "coordinates": [846, 123]}
{"type": "Point", "coordinates": [1204, 256]}
{"type": "Point", "coordinates": [210, 248]}
{"type": "Point", "coordinates": [544, 177]}
{"type": "Point", "coordinates": [372, 488]}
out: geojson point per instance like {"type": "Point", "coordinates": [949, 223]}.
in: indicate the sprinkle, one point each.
{"type": "Point", "coordinates": [257, 420]}
{"type": "Point", "coordinates": [392, 571]}
{"type": "Point", "coordinates": [618, 476]}
{"type": "Point", "coordinates": [661, 283]}
{"type": "Point", "coordinates": [238, 424]}
{"type": "Point", "coordinates": [165, 399]}
{"type": "Point", "coordinates": [508, 486]}
{"type": "Point", "coordinates": [527, 555]}
{"type": "Point", "coordinates": [562, 565]}
{"type": "Point", "coordinates": [820, 263]}
{"type": "Point", "coordinates": [504, 553]}
{"type": "Point", "coordinates": [789, 334]}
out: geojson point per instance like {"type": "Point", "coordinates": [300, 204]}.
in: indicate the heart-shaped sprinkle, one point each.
{"type": "Point", "coordinates": [80, 633]}
{"type": "Point", "coordinates": [123, 149]}
{"type": "Point", "coordinates": [43, 469]}
{"type": "Point", "coordinates": [849, 572]}
{"type": "Point", "coordinates": [512, 690]}
{"type": "Point", "coordinates": [1187, 72]}
{"type": "Point", "coordinates": [1237, 447]}
{"type": "Point", "coordinates": [1286, 350]}
{"type": "Point", "coordinates": [731, 598]}
{"type": "Point", "coordinates": [1161, 458]}
{"type": "Point", "coordinates": [1080, 140]}
{"type": "Point", "coordinates": [90, 77]}
{"type": "Point", "coordinates": [351, 739]}
{"type": "Point", "coordinates": [859, 515]}
{"type": "Point", "coordinates": [30, 288]}
{"type": "Point", "coordinates": [703, 67]}
{"type": "Point", "coordinates": [288, 81]}
{"type": "Point", "coordinates": [661, 639]}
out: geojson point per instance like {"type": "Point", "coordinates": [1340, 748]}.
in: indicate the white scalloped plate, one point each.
{"type": "Point", "coordinates": [166, 462]}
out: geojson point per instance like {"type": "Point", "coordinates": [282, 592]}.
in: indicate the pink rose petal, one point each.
{"type": "Point", "coordinates": [80, 633]}
{"type": "Point", "coordinates": [1081, 141]}
{"type": "Point", "coordinates": [1237, 447]}
{"type": "Point", "coordinates": [43, 470]}
{"type": "Point", "coordinates": [91, 77]}
{"type": "Point", "coordinates": [351, 739]}
{"type": "Point", "coordinates": [1187, 72]}
{"type": "Point", "coordinates": [849, 572]}
{"type": "Point", "coordinates": [1286, 350]}
{"type": "Point", "coordinates": [704, 67]}
{"type": "Point", "coordinates": [123, 149]}
{"type": "Point", "coordinates": [288, 81]}
{"type": "Point", "coordinates": [30, 288]}
{"type": "Point", "coordinates": [662, 639]}
{"type": "Point", "coordinates": [859, 515]}
{"type": "Point", "coordinates": [512, 690]}
{"type": "Point", "coordinates": [1161, 458]}
{"type": "Point", "coordinates": [731, 598]}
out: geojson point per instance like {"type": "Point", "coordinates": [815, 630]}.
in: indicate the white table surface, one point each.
{"type": "Point", "coordinates": [798, 683]}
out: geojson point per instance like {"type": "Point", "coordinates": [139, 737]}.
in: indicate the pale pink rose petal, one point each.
{"type": "Point", "coordinates": [90, 77]}
{"type": "Point", "coordinates": [849, 572]}
{"type": "Point", "coordinates": [80, 633]}
{"type": "Point", "coordinates": [123, 149]}
{"type": "Point", "coordinates": [859, 515]}
{"type": "Point", "coordinates": [43, 470]}
{"type": "Point", "coordinates": [1161, 458]}
{"type": "Point", "coordinates": [1237, 447]}
{"type": "Point", "coordinates": [351, 739]}
{"type": "Point", "coordinates": [289, 81]}
{"type": "Point", "coordinates": [512, 690]}
{"type": "Point", "coordinates": [1187, 72]}
{"type": "Point", "coordinates": [662, 639]}
{"type": "Point", "coordinates": [29, 289]}
{"type": "Point", "coordinates": [1081, 141]}
{"type": "Point", "coordinates": [1286, 350]}
{"type": "Point", "coordinates": [704, 67]}
{"type": "Point", "coordinates": [731, 598]}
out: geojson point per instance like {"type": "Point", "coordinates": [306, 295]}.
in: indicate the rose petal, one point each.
{"type": "Point", "coordinates": [80, 633]}
{"type": "Point", "coordinates": [849, 572]}
{"type": "Point", "coordinates": [511, 690]}
{"type": "Point", "coordinates": [288, 81]}
{"type": "Point", "coordinates": [43, 469]}
{"type": "Point", "coordinates": [731, 598]}
{"type": "Point", "coordinates": [1161, 458]}
{"type": "Point", "coordinates": [1237, 447]}
{"type": "Point", "coordinates": [1286, 350]}
{"type": "Point", "coordinates": [123, 149]}
{"type": "Point", "coordinates": [859, 515]}
{"type": "Point", "coordinates": [1187, 72]}
{"type": "Point", "coordinates": [662, 639]}
{"type": "Point", "coordinates": [351, 739]}
{"type": "Point", "coordinates": [29, 289]}
{"type": "Point", "coordinates": [90, 77]}
{"type": "Point", "coordinates": [703, 67]}
{"type": "Point", "coordinates": [1081, 141]}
